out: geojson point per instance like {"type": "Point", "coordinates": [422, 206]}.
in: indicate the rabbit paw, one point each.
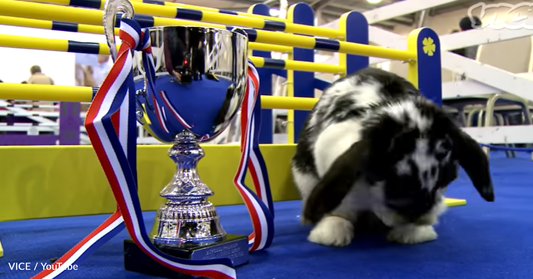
{"type": "Point", "coordinates": [332, 231]}
{"type": "Point", "coordinates": [412, 234]}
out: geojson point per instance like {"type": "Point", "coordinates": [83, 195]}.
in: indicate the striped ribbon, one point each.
{"type": "Point", "coordinates": [260, 205]}
{"type": "Point", "coordinates": [111, 126]}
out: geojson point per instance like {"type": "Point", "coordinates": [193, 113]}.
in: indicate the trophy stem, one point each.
{"type": "Point", "coordinates": [186, 185]}
{"type": "Point", "coordinates": [186, 218]}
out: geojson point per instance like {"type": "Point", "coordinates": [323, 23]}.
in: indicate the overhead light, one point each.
{"type": "Point", "coordinates": [274, 12]}
{"type": "Point", "coordinates": [374, 1]}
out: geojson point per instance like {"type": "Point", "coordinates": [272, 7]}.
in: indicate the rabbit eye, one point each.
{"type": "Point", "coordinates": [443, 148]}
{"type": "Point", "coordinates": [445, 145]}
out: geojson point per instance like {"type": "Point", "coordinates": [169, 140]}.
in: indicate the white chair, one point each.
{"type": "Point", "coordinates": [514, 56]}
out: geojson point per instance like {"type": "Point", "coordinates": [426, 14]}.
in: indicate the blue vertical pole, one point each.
{"type": "Point", "coordinates": [426, 71]}
{"type": "Point", "coordinates": [429, 65]}
{"type": "Point", "coordinates": [303, 84]}
{"type": "Point", "coordinates": [265, 76]}
{"type": "Point", "coordinates": [354, 26]}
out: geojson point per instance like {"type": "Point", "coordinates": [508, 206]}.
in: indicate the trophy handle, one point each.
{"type": "Point", "coordinates": [111, 8]}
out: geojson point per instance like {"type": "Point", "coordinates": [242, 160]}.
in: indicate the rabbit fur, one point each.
{"type": "Point", "coordinates": [373, 143]}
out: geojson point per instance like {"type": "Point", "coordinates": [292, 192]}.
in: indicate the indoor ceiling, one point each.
{"type": "Point", "coordinates": [333, 9]}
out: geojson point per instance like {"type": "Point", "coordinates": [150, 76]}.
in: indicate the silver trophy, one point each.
{"type": "Point", "coordinates": [188, 92]}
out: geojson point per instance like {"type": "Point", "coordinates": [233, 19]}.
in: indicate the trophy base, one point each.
{"type": "Point", "coordinates": [234, 247]}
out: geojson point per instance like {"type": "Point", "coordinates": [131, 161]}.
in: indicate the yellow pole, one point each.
{"type": "Point", "coordinates": [342, 56]}
{"type": "Point", "coordinates": [290, 103]}
{"type": "Point", "coordinates": [191, 7]}
{"type": "Point", "coordinates": [168, 4]}
{"type": "Point", "coordinates": [94, 17]}
{"type": "Point", "coordinates": [61, 93]}
{"type": "Point", "coordinates": [298, 66]}
{"type": "Point", "coordinates": [23, 42]}
{"type": "Point", "coordinates": [14, 41]}
{"type": "Point", "coordinates": [1, 250]}
{"type": "Point", "coordinates": [171, 12]}
{"type": "Point", "coordinates": [37, 92]}
{"type": "Point", "coordinates": [269, 47]}
{"type": "Point", "coordinates": [412, 66]}
{"type": "Point", "coordinates": [99, 30]}
{"type": "Point", "coordinates": [45, 24]}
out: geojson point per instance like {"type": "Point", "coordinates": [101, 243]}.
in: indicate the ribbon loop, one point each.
{"type": "Point", "coordinates": [134, 37]}
{"type": "Point", "coordinates": [130, 33]}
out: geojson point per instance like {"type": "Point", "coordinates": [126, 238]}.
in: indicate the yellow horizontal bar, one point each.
{"type": "Point", "coordinates": [37, 92]}
{"type": "Point", "coordinates": [206, 9]}
{"type": "Point", "coordinates": [14, 41]}
{"type": "Point", "coordinates": [243, 21]}
{"type": "Point", "coordinates": [47, 25]}
{"type": "Point", "coordinates": [208, 16]}
{"type": "Point", "coordinates": [349, 48]}
{"type": "Point", "coordinates": [269, 47]}
{"type": "Point", "coordinates": [301, 66]}
{"type": "Point", "coordinates": [376, 51]}
{"type": "Point", "coordinates": [168, 4]}
{"type": "Point", "coordinates": [276, 102]}
{"type": "Point", "coordinates": [93, 29]}
{"type": "Point", "coordinates": [94, 17]}
{"type": "Point", "coordinates": [312, 67]}
{"type": "Point", "coordinates": [454, 202]}
{"type": "Point", "coordinates": [60, 93]}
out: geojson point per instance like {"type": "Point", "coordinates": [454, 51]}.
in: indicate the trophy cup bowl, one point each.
{"type": "Point", "coordinates": [197, 89]}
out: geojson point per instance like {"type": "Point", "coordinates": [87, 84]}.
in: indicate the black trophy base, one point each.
{"type": "Point", "coordinates": [234, 247]}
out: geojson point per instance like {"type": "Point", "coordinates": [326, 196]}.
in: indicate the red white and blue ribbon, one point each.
{"type": "Point", "coordinates": [260, 205]}
{"type": "Point", "coordinates": [111, 127]}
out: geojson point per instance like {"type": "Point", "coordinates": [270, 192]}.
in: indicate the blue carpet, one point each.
{"type": "Point", "coordinates": [478, 241]}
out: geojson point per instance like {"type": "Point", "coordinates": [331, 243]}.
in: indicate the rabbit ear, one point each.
{"type": "Point", "coordinates": [474, 161]}
{"type": "Point", "coordinates": [469, 154]}
{"type": "Point", "coordinates": [337, 182]}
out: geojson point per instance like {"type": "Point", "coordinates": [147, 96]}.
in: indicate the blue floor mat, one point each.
{"type": "Point", "coordinates": [478, 241]}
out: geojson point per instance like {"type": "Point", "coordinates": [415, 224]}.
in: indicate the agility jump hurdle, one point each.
{"type": "Point", "coordinates": [422, 56]}
{"type": "Point", "coordinates": [300, 20]}
{"type": "Point", "coordinates": [489, 82]}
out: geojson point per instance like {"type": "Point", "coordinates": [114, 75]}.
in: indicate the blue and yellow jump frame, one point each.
{"type": "Point", "coordinates": [57, 181]}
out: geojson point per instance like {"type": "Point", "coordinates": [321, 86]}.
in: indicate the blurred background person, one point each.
{"type": "Point", "coordinates": [465, 24]}
{"type": "Point", "coordinates": [100, 71]}
{"type": "Point", "coordinates": [38, 77]}
{"type": "Point", "coordinates": [85, 77]}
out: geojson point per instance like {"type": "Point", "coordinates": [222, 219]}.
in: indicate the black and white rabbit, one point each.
{"type": "Point", "coordinates": [373, 144]}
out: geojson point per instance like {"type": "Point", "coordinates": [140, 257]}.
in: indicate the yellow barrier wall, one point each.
{"type": "Point", "coordinates": [55, 181]}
